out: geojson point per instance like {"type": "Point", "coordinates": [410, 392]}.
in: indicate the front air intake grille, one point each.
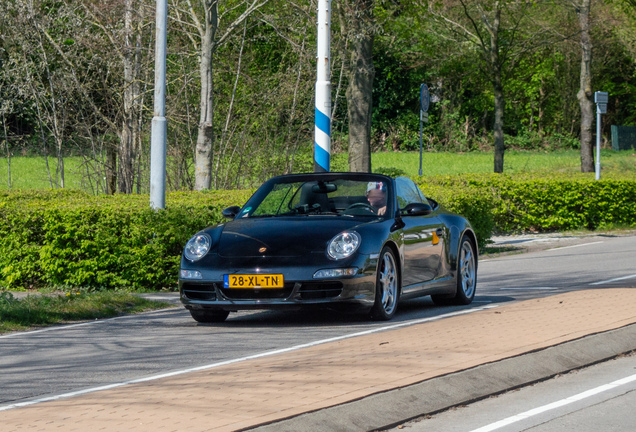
{"type": "Point", "coordinates": [199, 291]}
{"type": "Point", "coordinates": [320, 290]}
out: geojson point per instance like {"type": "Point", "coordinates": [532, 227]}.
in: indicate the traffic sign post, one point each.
{"type": "Point", "coordinates": [601, 99]}
{"type": "Point", "coordinates": [424, 102]}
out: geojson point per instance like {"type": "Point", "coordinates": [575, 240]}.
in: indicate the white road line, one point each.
{"type": "Point", "coordinates": [555, 405]}
{"type": "Point", "coordinates": [528, 288]}
{"type": "Point", "coordinates": [614, 280]}
{"type": "Point", "coordinates": [241, 359]}
{"type": "Point", "coordinates": [488, 260]}
{"type": "Point", "coordinates": [573, 246]}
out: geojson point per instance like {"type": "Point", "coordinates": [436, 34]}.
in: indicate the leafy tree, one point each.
{"type": "Point", "coordinates": [494, 29]}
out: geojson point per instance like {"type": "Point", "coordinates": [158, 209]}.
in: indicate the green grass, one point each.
{"type": "Point", "coordinates": [48, 309]}
{"type": "Point", "coordinates": [515, 162]}
{"type": "Point", "coordinates": [31, 172]}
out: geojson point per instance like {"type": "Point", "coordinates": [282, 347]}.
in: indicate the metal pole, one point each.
{"type": "Point", "coordinates": [322, 134]}
{"type": "Point", "coordinates": [421, 131]}
{"type": "Point", "coordinates": [159, 129]}
{"type": "Point", "coordinates": [424, 101]}
{"type": "Point", "coordinates": [598, 143]}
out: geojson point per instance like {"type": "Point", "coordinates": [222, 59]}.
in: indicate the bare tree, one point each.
{"type": "Point", "coordinates": [5, 107]}
{"type": "Point", "coordinates": [75, 76]}
{"type": "Point", "coordinates": [207, 44]}
{"type": "Point", "coordinates": [6, 144]}
{"type": "Point", "coordinates": [124, 23]}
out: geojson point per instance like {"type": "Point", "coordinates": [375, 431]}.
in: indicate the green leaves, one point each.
{"type": "Point", "coordinates": [60, 239]}
{"type": "Point", "coordinates": [64, 238]}
{"type": "Point", "coordinates": [529, 203]}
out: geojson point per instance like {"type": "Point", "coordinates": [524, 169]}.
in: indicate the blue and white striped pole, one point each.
{"type": "Point", "coordinates": [322, 134]}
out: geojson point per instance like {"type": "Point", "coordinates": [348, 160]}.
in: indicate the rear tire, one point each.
{"type": "Point", "coordinates": [387, 287]}
{"type": "Point", "coordinates": [209, 316]}
{"type": "Point", "coordinates": [466, 277]}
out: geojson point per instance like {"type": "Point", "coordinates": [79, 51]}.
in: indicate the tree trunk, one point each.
{"type": "Point", "coordinates": [6, 143]}
{"type": "Point", "coordinates": [584, 94]}
{"type": "Point", "coordinates": [205, 137]}
{"type": "Point", "coordinates": [359, 91]}
{"type": "Point", "coordinates": [495, 65]}
{"type": "Point", "coordinates": [111, 169]}
{"type": "Point", "coordinates": [500, 147]}
{"type": "Point", "coordinates": [126, 136]}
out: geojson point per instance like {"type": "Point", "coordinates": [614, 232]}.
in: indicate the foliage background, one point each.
{"type": "Point", "coordinates": [63, 88]}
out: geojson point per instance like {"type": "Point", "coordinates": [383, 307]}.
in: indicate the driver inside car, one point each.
{"type": "Point", "coordinates": [376, 195]}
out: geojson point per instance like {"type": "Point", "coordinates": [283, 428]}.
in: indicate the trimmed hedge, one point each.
{"type": "Point", "coordinates": [66, 238]}
{"type": "Point", "coordinates": [530, 204]}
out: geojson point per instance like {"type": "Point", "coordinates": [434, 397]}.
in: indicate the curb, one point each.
{"type": "Point", "coordinates": [394, 407]}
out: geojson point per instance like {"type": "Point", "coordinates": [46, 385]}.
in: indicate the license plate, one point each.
{"type": "Point", "coordinates": [253, 281]}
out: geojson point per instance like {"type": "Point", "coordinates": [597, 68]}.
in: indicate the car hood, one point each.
{"type": "Point", "coordinates": [280, 236]}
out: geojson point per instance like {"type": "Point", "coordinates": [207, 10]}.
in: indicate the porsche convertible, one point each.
{"type": "Point", "coordinates": [351, 241]}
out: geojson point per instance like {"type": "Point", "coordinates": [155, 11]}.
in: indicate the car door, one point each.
{"type": "Point", "coordinates": [421, 236]}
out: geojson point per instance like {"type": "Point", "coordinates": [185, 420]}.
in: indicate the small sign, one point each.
{"type": "Point", "coordinates": [424, 98]}
{"type": "Point", "coordinates": [601, 108]}
{"type": "Point", "coordinates": [601, 97]}
{"type": "Point", "coordinates": [424, 116]}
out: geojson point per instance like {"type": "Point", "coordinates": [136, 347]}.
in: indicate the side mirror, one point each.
{"type": "Point", "coordinates": [416, 209]}
{"type": "Point", "coordinates": [231, 212]}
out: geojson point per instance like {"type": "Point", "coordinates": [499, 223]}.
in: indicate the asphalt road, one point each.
{"type": "Point", "coordinates": [565, 265]}
{"type": "Point", "coordinates": [598, 398]}
{"type": "Point", "coordinates": [71, 358]}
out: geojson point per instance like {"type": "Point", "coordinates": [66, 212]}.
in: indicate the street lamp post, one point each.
{"type": "Point", "coordinates": [159, 128]}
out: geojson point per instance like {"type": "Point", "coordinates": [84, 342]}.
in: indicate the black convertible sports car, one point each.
{"type": "Point", "coordinates": [350, 240]}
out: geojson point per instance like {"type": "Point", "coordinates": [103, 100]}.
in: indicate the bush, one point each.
{"type": "Point", "coordinates": [530, 203]}
{"type": "Point", "coordinates": [390, 171]}
{"type": "Point", "coordinates": [535, 141]}
{"type": "Point", "coordinates": [68, 238]}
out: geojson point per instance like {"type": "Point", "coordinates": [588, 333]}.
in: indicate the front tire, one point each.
{"type": "Point", "coordinates": [209, 316]}
{"type": "Point", "coordinates": [387, 287]}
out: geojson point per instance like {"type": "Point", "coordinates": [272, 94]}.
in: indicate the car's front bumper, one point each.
{"type": "Point", "coordinates": [300, 288]}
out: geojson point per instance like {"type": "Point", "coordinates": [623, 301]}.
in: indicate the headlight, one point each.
{"type": "Point", "coordinates": [343, 245]}
{"type": "Point", "coordinates": [197, 247]}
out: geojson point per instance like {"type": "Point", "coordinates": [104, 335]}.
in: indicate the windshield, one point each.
{"type": "Point", "coordinates": [338, 197]}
